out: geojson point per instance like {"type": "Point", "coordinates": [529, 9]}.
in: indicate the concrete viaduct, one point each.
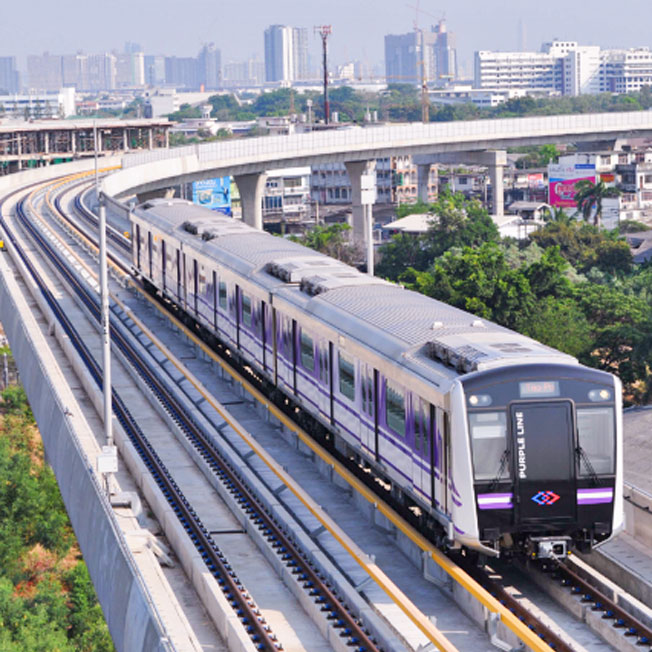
{"type": "Point", "coordinates": [480, 142]}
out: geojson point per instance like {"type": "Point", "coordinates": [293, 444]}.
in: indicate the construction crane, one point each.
{"type": "Point", "coordinates": [325, 31]}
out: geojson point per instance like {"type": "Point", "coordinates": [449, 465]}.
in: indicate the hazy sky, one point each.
{"type": "Point", "coordinates": [181, 26]}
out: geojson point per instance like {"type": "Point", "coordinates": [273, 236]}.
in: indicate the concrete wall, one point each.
{"type": "Point", "coordinates": [130, 614]}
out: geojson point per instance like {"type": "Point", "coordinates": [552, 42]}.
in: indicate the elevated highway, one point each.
{"type": "Point", "coordinates": [478, 141]}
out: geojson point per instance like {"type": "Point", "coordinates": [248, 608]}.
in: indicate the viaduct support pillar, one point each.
{"type": "Point", "coordinates": [423, 182]}
{"type": "Point", "coordinates": [251, 188]}
{"type": "Point", "coordinates": [497, 190]}
{"type": "Point", "coordinates": [363, 186]}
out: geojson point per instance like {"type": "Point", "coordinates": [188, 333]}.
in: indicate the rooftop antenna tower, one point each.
{"type": "Point", "coordinates": [325, 32]}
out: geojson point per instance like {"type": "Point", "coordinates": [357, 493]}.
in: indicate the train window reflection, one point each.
{"type": "Point", "coordinates": [307, 352]}
{"type": "Point", "coordinates": [246, 310]}
{"type": "Point", "coordinates": [395, 409]}
{"type": "Point", "coordinates": [595, 431]}
{"type": "Point", "coordinates": [489, 445]}
{"type": "Point", "coordinates": [222, 294]}
{"type": "Point", "coordinates": [347, 377]}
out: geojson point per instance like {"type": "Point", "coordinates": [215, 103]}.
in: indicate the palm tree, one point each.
{"type": "Point", "coordinates": [589, 195]}
{"type": "Point", "coordinates": [557, 214]}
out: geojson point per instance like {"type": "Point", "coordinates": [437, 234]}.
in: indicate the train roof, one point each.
{"type": "Point", "coordinates": [436, 340]}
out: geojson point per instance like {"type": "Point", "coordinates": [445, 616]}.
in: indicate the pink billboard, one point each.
{"type": "Point", "coordinates": [562, 180]}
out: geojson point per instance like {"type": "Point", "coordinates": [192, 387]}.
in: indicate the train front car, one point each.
{"type": "Point", "coordinates": [546, 456]}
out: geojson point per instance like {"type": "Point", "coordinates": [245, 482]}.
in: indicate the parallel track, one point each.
{"type": "Point", "coordinates": [317, 587]}
{"type": "Point", "coordinates": [630, 626]}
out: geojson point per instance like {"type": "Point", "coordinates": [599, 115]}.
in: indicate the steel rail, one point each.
{"type": "Point", "coordinates": [216, 562]}
{"type": "Point", "coordinates": [610, 609]}
{"type": "Point", "coordinates": [337, 612]}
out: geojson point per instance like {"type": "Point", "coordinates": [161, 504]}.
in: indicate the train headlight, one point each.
{"type": "Point", "coordinates": [597, 395]}
{"type": "Point", "coordinates": [479, 400]}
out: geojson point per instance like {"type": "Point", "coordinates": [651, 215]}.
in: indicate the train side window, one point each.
{"type": "Point", "coordinates": [395, 409]}
{"type": "Point", "coordinates": [222, 294]}
{"type": "Point", "coordinates": [422, 427]}
{"type": "Point", "coordinates": [489, 444]}
{"type": "Point", "coordinates": [246, 309]}
{"type": "Point", "coordinates": [347, 376]}
{"type": "Point", "coordinates": [596, 436]}
{"type": "Point", "coordinates": [307, 352]}
{"type": "Point", "coordinates": [202, 281]}
{"type": "Point", "coordinates": [323, 363]}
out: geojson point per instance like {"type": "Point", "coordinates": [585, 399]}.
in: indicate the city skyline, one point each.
{"type": "Point", "coordinates": [358, 28]}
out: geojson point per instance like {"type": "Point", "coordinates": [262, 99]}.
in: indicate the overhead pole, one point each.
{"type": "Point", "coordinates": [325, 32]}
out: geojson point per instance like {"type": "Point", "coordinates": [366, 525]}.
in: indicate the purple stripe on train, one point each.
{"type": "Point", "coordinates": [595, 496]}
{"type": "Point", "coordinates": [495, 501]}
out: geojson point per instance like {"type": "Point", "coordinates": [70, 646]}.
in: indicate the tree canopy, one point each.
{"type": "Point", "coordinates": [572, 286]}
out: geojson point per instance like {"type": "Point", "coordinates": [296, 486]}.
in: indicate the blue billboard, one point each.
{"type": "Point", "coordinates": [213, 193]}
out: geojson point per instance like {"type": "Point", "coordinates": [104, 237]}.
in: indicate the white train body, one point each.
{"type": "Point", "coordinates": [395, 376]}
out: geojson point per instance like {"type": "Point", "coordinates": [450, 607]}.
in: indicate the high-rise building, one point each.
{"type": "Point", "coordinates": [244, 73]}
{"type": "Point", "coordinates": [210, 67]}
{"type": "Point", "coordinates": [182, 72]}
{"type": "Point", "coordinates": [402, 58]}
{"type": "Point", "coordinates": [154, 70]}
{"type": "Point", "coordinates": [444, 53]}
{"type": "Point", "coordinates": [101, 72]}
{"type": "Point", "coordinates": [286, 53]}
{"type": "Point", "coordinates": [421, 54]}
{"type": "Point", "coordinates": [44, 72]}
{"type": "Point", "coordinates": [9, 76]}
{"type": "Point", "coordinates": [130, 69]}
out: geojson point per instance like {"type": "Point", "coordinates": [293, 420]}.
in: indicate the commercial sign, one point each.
{"type": "Point", "coordinates": [562, 179]}
{"type": "Point", "coordinates": [535, 181]}
{"type": "Point", "coordinates": [213, 193]}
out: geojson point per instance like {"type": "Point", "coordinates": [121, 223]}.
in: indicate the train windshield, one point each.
{"type": "Point", "coordinates": [489, 445]}
{"type": "Point", "coordinates": [596, 439]}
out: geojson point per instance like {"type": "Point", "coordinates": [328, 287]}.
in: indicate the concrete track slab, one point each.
{"type": "Point", "coordinates": [637, 452]}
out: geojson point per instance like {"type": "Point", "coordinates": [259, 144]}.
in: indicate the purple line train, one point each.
{"type": "Point", "coordinates": [509, 445]}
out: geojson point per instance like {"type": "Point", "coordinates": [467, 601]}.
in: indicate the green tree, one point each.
{"type": "Point", "coordinates": [332, 240]}
{"type": "Point", "coordinates": [480, 281]}
{"type": "Point", "coordinates": [561, 324]}
{"type": "Point", "coordinates": [589, 197]}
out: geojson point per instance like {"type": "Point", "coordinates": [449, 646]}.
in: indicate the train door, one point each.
{"type": "Point", "coordinates": [368, 413]}
{"type": "Point", "coordinates": [446, 466]}
{"type": "Point", "coordinates": [324, 386]}
{"type": "Point", "coordinates": [214, 298]}
{"type": "Point", "coordinates": [163, 265]}
{"type": "Point", "coordinates": [195, 286]}
{"type": "Point", "coordinates": [138, 244]}
{"type": "Point", "coordinates": [544, 465]}
{"type": "Point", "coordinates": [238, 309]}
{"type": "Point", "coordinates": [422, 448]}
{"type": "Point", "coordinates": [179, 277]}
{"type": "Point", "coordinates": [149, 253]}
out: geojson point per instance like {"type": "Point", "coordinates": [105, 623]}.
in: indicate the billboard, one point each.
{"type": "Point", "coordinates": [562, 179]}
{"type": "Point", "coordinates": [535, 181]}
{"type": "Point", "coordinates": [213, 193]}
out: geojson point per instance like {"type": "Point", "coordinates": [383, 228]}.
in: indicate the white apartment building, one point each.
{"type": "Point", "coordinates": [565, 67]}
{"type": "Point", "coordinates": [517, 70]}
{"type": "Point", "coordinates": [627, 71]}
